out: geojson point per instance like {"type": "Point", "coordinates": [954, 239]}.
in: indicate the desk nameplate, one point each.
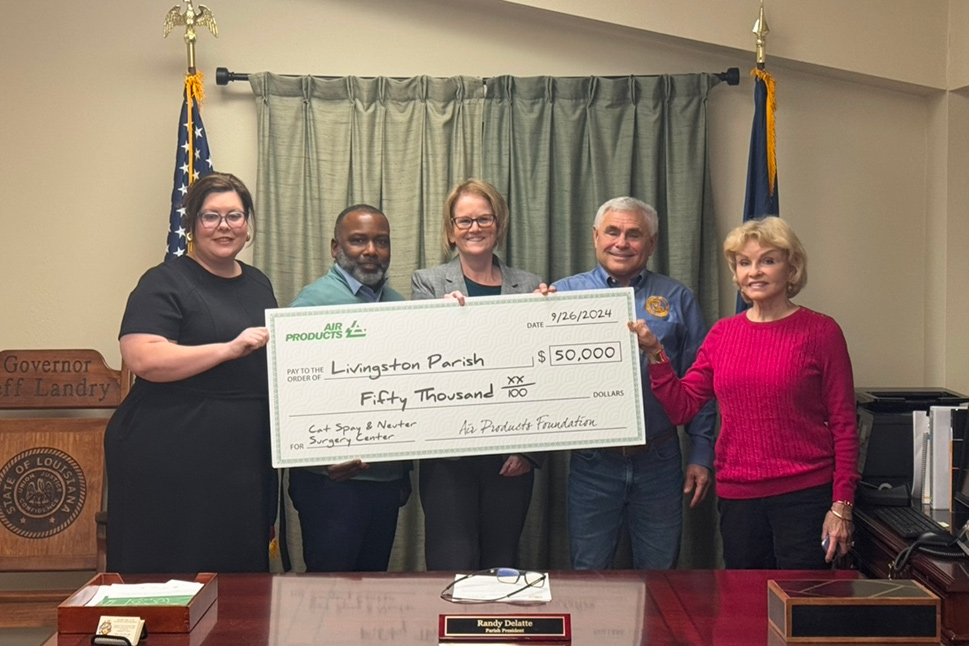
{"type": "Point", "coordinates": [505, 628]}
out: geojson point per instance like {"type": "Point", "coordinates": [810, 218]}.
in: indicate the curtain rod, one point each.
{"type": "Point", "coordinates": [223, 76]}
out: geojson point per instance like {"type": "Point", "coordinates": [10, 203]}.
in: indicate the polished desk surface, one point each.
{"type": "Point", "coordinates": [608, 608]}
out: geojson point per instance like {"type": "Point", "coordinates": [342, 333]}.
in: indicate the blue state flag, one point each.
{"type": "Point", "coordinates": [761, 198]}
{"type": "Point", "coordinates": [192, 161]}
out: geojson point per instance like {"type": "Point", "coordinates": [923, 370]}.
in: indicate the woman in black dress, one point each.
{"type": "Point", "coordinates": [191, 487]}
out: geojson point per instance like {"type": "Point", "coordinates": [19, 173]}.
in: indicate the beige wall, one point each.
{"type": "Point", "coordinates": [901, 40]}
{"type": "Point", "coordinates": [958, 45]}
{"type": "Point", "coordinates": [873, 145]}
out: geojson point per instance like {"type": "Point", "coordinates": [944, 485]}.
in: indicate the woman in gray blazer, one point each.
{"type": "Point", "coordinates": [474, 507]}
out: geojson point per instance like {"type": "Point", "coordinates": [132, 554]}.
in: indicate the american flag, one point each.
{"type": "Point", "coordinates": [192, 161]}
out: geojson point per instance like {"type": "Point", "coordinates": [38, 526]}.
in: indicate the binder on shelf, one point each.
{"type": "Point", "coordinates": [940, 425]}
{"type": "Point", "coordinates": [942, 456]}
{"type": "Point", "coordinates": [921, 436]}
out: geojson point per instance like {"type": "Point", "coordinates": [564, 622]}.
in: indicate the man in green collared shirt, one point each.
{"type": "Point", "coordinates": [348, 511]}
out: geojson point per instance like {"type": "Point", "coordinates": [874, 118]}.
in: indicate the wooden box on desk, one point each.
{"type": "Point", "coordinates": [874, 611]}
{"type": "Point", "coordinates": [75, 617]}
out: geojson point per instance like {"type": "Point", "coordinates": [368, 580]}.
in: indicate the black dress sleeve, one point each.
{"type": "Point", "coordinates": [153, 307]}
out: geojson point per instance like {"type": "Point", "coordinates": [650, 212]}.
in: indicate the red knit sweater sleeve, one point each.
{"type": "Point", "coordinates": [683, 398]}
{"type": "Point", "coordinates": [837, 389]}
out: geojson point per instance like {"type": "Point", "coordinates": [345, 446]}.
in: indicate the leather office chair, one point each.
{"type": "Point", "coordinates": [55, 406]}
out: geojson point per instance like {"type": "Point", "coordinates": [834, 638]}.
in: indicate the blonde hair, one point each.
{"type": "Point", "coordinates": [773, 232]}
{"type": "Point", "coordinates": [490, 195]}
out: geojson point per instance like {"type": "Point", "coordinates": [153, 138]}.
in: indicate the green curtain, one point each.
{"type": "Point", "coordinates": [555, 147]}
{"type": "Point", "coordinates": [324, 144]}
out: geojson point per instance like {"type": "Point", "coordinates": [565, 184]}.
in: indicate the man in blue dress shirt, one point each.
{"type": "Point", "coordinates": [641, 485]}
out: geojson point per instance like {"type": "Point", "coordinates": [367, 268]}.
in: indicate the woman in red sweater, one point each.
{"type": "Point", "coordinates": [787, 454]}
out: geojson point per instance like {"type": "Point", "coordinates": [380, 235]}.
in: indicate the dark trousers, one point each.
{"type": "Point", "coordinates": [346, 526]}
{"type": "Point", "coordinates": [776, 532]}
{"type": "Point", "coordinates": [473, 517]}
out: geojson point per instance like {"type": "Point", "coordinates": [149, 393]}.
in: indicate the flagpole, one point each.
{"type": "Point", "coordinates": [761, 29]}
{"type": "Point", "coordinates": [194, 89]}
{"type": "Point", "coordinates": [761, 197]}
{"type": "Point", "coordinates": [192, 155]}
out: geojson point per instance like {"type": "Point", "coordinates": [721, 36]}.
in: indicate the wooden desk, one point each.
{"type": "Point", "coordinates": [877, 545]}
{"type": "Point", "coordinates": [608, 608]}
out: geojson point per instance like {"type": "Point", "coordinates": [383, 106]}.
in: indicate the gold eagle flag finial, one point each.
{"type": "Point", "coordinates": [203, 17]}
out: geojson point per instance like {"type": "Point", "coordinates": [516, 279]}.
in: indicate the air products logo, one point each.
{"type": "Point", "coordinates": [330, 332]}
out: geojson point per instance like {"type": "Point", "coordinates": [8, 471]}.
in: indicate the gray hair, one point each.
{"type": "Point", "coordinates": [630, 204]}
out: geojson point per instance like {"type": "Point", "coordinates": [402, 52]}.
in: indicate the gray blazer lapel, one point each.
{"type": "Point", "coordinates": [454, 278]}
{"type": "Point", "coordinates": [509, 278]}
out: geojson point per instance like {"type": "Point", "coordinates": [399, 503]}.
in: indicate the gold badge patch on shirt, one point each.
{"type": "Point", "coordinates": [658, 306]}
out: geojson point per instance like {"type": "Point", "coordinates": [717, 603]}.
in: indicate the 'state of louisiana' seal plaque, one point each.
{"type": "Point", "coordinates": [42, 491]}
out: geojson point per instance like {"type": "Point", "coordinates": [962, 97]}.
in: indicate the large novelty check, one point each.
{"type": "Point", "coordinates": [502, 374]}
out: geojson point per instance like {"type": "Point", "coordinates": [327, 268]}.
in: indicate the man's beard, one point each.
{"type": "Point", "coordinates": [368, 278]}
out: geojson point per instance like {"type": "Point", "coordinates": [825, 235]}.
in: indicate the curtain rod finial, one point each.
{"type": "Point", "coordinates": [731, 76]}
{"type": "Point", "coordinates": [223, 76]}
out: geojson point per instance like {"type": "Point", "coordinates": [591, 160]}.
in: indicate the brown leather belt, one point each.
{"type": "Point", "coordinates": [651, 443]}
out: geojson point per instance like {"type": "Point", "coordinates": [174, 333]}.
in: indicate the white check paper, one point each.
{"type": "Point", "coordinates": [419, 379]}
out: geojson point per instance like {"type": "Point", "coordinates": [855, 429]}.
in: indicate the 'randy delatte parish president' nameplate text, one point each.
{"type": "Point", "coordinates": [419, 379]}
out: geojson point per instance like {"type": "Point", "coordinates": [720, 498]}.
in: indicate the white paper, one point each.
{"type": "Point", "coordinates": [171, 588]}
{"type": "Point", "coordinates": [503, 374]}
{"type": "Point", "coordinates": [487, 587]}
